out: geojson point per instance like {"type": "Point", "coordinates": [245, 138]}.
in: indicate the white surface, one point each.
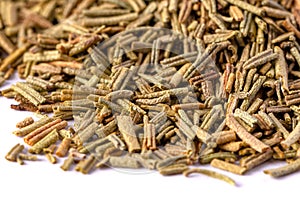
{"type": "Point", "coordinates": [42, 180]}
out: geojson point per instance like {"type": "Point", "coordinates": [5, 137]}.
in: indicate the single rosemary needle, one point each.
{"type": "Point", "coordinates": [210, 173]}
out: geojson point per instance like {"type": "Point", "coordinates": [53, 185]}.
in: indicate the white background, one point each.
{"type": "Point", "coordinates": [42, 180]}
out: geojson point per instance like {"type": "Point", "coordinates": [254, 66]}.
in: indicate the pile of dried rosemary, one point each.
{"type": "Point", "coordinates": [155, 84]}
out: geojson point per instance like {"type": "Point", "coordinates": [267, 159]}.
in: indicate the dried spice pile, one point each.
{"type": "Point", "coordinates": [156, 84]}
